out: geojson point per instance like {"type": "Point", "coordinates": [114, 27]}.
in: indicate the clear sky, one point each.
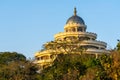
{"type": "Point", "coordinates": [25, 25]}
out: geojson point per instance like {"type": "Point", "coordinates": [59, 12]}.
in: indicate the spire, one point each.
{"type": "Point", "coordinates": [75, 11]}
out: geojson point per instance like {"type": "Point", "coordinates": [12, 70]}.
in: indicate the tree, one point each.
{"type": "Point", "coordinates": [69, 67]}
{"type": "Point", "coordinates": [14, 66]}
{"type": "Point", "coordinates": [7, 57]}
{"type": "Point", "coordinates": [67, 47]}
{"type": "Point", "coordinates": [81, 66]}
{"type": "Point", "coordinates": [118, 46]}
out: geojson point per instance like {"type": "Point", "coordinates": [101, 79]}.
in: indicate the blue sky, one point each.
{"type": "Point", "coordinates": [25, 25]}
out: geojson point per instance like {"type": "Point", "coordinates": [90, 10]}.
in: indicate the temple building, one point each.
{"type": "Point", "coordinates": [74, 40]}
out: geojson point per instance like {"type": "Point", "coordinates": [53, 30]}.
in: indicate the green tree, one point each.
{"type": "Point", "coordinates": [14, 66]}
{"type": "Point", "coordinates": [70, 67]}
{"type": "Point", "coordinates": [7, 57]}
{"type": "Point", "coordinates": [118, 46]}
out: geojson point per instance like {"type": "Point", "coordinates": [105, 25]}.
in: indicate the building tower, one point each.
{"type": "Point", "coordinates": [73, 37]}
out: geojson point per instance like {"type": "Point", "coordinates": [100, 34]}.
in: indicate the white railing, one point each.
{"type": "Point", "coordinates": [95, 42]}
{"type": "Point", "coordinates": [75, 33]}
{"type": "Point", "coordinates": [45, 52]}
{"type": "Point", "coordinates": [44, 61]}
{"type": "Point", "coordinates": [97, 51]}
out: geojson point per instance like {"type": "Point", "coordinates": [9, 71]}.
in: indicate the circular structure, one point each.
{"type": "Point", "coordinates": [75, 24]}
{"type": "Point", "coordinates": [75, 19]}
{"type": "Point", "coordinates": [74, 36]}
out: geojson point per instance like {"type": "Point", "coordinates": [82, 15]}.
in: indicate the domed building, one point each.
{"type": "Point", "coordinates": [74, 40]}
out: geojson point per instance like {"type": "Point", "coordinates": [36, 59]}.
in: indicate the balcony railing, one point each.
{"type": "Point", "coordinates": [95, 42]}
{"type": "Point", "coordinates": [44, 61]}
{"type": "Point", "coordinates": [97, 51]}
{"type": "Point", "coordinates": [75, 33]}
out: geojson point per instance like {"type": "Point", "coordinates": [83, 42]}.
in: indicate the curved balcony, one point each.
{"type": "Point", "coordinates": [43, 62]}
{"type": "Point", "coordinates": [96, 51]}
{"type": "Point", "coordinates": [94, 42]}
{"type": "Point", "coordinates": [63, 34]}
{"type": "Point", "coordinates": [45, 52]}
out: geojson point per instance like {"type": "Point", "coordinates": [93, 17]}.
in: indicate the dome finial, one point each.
{"type": "Point", "coordinates": [75, 11]}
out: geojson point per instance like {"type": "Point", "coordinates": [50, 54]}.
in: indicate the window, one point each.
{"type": "Point", "coordinates": [73, 29]}
{"type": "Point", "coordinates": [79, 29]}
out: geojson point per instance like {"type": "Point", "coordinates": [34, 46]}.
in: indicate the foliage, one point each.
{"type": "Point", "coordinates": [64, 47]}
{"type": "Point", "coordinates": [84, 67]}
{"type": "Point", "coordinates": [14, 66]}
{"type": "Point", "coordinates": [67, 67]}
{"type": "Point", "coordinates": [118, 46]}
{"type": "Point", "coordinates": [7, 57]}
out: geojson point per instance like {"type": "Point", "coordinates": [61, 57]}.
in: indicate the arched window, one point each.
{"type": "Point", "coordinates": [73, 29]}
{"type": "Point", "coordinates": [44, 57]}
{"type": "Point", "coordinates": [79, 29]}
{"type": "Point", "coordinates": [66, 30]}
{"type": "Point", "coordinates": [38, 58]}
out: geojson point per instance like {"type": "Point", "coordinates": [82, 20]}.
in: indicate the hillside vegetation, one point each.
{"type": "Point", "coordinates": [15, 66]}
